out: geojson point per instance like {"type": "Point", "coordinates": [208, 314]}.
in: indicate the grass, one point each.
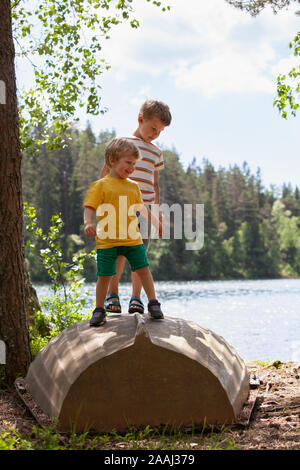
{"type": "Point", "coordinates": [276, 363]}
{"type": "Point", "coordinates": [166, 438]}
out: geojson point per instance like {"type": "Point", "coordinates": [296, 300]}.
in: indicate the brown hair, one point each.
{"type": "Point", "coordinates": [152, 108]}
{"type": "Point", "coordinates": [116, 147]}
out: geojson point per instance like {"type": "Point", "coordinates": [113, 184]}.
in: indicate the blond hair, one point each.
{"type": "Point", "coordinates": [152, 108]}
{"type": "Point", "coordinates": [116, 147]}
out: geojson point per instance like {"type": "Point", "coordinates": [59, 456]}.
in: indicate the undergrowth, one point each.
{"type": "Point", "coordinates": [165, 438]}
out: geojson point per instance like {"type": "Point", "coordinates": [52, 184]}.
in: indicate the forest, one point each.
{"type": "Point", "coordinates": [250, 232]}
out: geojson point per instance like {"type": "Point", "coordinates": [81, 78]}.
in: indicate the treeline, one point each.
{"type": "Point", "coordinates": [250, 231]}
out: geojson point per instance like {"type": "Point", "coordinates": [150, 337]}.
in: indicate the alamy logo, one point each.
{"type": "Point", "coordinates": [2, 92]}
{"type": "Point", "coordinates": [2, 352]}
{"type": "Point", "coordinates": [179, 222]}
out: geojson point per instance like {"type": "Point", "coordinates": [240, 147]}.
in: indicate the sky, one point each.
{"type": "Point", "coordinates": [216, 68]}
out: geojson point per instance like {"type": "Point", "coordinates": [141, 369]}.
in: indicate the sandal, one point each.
{"type": "Point", "coordinates": [108, 305]}
{"type": "Point", "coordinates": [154, 310]}
{"type": "Point", "coordinates": [134, 306]}
{"type": "Point", "coordinates": [99, 317]}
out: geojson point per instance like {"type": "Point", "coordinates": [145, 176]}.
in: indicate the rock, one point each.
{"type": "Point", "coordinates": [136, 371]}
{"type": "Point", "coordinates": [254, 381]}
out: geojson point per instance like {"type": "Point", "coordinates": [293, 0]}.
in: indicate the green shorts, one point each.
{"type": "Point", "coordinates": [107, 258]}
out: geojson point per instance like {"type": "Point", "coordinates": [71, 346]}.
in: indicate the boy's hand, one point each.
{"type": "Point", "coordinates": [156, 218]}
{"type": "Point", "coordinates": [158, 222]}
{"type": "Point", "coordinates": [90, 230]}
{"type": "Point", "coordinates": [161, 226]}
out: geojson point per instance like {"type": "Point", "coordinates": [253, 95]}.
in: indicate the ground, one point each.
{"type": "Point", "coordinates": [271, 420]}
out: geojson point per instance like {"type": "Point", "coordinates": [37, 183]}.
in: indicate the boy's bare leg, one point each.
{"type": "Point", "coordinates": [113, 287]}
{"type": "Point", "coordinates": [135, 279]}
{"type": "Point", "coordinates": [146, 280]}
{"type": "Point", "coordinates": [101, 290]}
{"type": "Point", "coordinates": [136, 285]}
{"type": "Point", "coordinates": [99, 317]}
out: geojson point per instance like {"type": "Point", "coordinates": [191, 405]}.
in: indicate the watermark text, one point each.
{"type": "Point", "coordinates": [2, 92]}
{"type": "Point", "coordinates": [176, 221]}
{"type": "Point", "coordinates": [2, 352]}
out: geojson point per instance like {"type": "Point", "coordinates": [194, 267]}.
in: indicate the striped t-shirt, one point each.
{"type": "Point", "coordinates": [150, 161]}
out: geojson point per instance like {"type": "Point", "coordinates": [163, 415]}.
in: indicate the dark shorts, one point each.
{"type": "Point", "coordinates": [107, 258]}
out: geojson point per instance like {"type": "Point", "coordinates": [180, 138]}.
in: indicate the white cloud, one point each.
{"type": "Point", "coordinates": [163, 38]}
{"type": "Point", "coordinates": [285, 65]}
{"type": "Point", "coordinates": [141, 95]}
{"type": "Point", "coordinates": [208, 47]}
{"type": "Point", "coordinates": [228, 71]}
{"type": "Point", "coordinates": [209, 21]}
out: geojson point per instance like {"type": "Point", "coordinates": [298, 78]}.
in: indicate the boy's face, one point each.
{"type": "Point", "coordinates": [149, 129]}
{"type": "Point", "coordinates": [124, 166]}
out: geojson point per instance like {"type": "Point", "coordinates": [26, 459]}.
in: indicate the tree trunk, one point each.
{"type": "Point", "coordinates": [13, 322]}
{"type": "Point", "coordinates": [32, 304]}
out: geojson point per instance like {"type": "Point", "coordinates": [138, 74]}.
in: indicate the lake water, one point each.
{"type": "Point", "coordinates": [260, 319]}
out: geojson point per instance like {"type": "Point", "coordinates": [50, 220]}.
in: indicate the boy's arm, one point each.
{"type": "Point", "coordinates": [104, 171]}
{"type": "Point", "coordinates": [89, 224]}
{"type": "Point", "coordinates": [156, 188]}
{"type": "Point", "coordinates": [157, 195]}
{"type": "Point", "coordinates": [152, 216]}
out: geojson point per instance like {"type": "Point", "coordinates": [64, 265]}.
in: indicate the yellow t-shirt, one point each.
{"type": "Point", "coordinates": [115, 200]}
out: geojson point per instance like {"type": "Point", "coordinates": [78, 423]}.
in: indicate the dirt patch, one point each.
{"type": "Point", "coordinates": [275, 421]}
{"type": "Point", "coordinates": [270, 418]}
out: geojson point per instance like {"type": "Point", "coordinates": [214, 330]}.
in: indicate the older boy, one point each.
{"type": "Point", "coordinates": [153, 117]}
{"type": "Point", "coordinates": [116, 195]}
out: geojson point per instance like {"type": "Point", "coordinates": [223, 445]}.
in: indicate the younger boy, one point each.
{"type": "Point", "coordinates": [116, 195]}
{"type": "Point", "coordinates": [153, 117]}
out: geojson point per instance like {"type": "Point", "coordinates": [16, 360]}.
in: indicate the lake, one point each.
{"type": "Point", "coordinates": [260, 319]}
